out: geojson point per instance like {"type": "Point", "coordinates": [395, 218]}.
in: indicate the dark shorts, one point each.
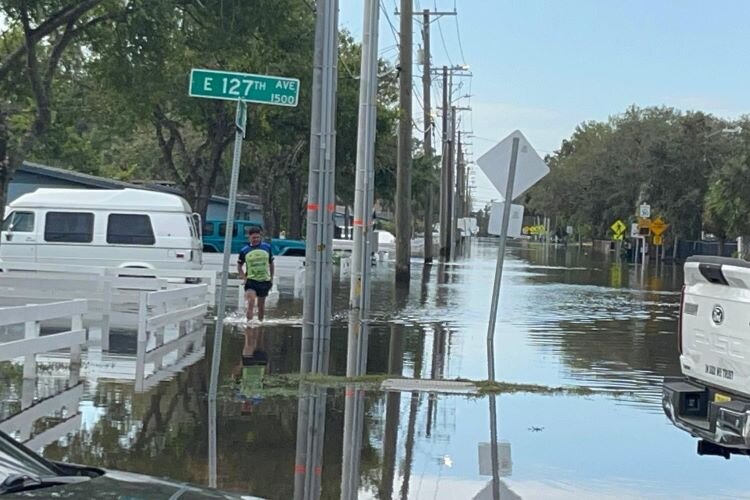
{"type": "Point", "coordinates": [261, 288]}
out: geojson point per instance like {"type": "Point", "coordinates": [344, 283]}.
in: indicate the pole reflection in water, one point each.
{"type": "Point", "coordinates": [354, 417]}
{"type": "Point", "coordinates": [493, 448]}
{"type": "Point", "coordinates": [308, 462]}
{"type": "Point", "coordinates": [212, 465]}
{"type": "Point", "coordinates": [412, 425]}
{"type": "Point", "coordinates": [392, 413]}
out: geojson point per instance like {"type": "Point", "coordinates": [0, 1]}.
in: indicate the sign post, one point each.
{"type": "Point", "coordinates": [658, 227]}
{"type": "Point", "coordinates": [500, 164]}
{"type": "Point", "coordinates": [243, 88]}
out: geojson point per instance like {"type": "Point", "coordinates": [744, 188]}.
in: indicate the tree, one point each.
{"type": "Point", "coordinates": [39, 35]}
{"type": "Point", "coordinates": [145, 64]}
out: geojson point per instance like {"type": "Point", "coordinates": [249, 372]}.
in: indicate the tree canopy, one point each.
{"type": "Point", "coordinates": [691, 167]}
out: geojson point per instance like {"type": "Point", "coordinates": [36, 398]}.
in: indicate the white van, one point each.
{"type": "Point", "coordinates": [105, 228]}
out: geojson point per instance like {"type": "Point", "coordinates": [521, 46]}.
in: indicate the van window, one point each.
{"type": "Point", "coordinates": [197, 225]}
{"type": "Point", "coordinates": [223, 229]}
{"type": "Point", "coordinates": [293, 252]}
{"type": "Point", "coordinates": [19, 222]}
{"type": "Point", "coordinates": [69, 227]}
{"type": "Point", "coordinates": [191, 226]}
{"type": "Point", "coordinates": [130, 229]}
{"type": "Point", "coordinates": [208, 229]}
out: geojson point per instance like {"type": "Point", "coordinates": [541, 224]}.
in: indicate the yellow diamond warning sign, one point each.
{"type": "Point", "coordinates": [618, 227]}
{"type": "Point", "coordinates": [658, 226]}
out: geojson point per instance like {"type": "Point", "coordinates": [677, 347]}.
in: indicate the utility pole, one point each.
{"type": "Point", "coordinates": [459, 177]}
{"type": "Point", "coordinates": [426, 91]}
{"type": "Point", "coordinates": [316, 329]}
{"type": "Point", "coordinates": [403, 170]}
{"type": "Point", "coordinates": [451, 205]}
{"type": "Point", "coordinates": [444, 186]}
{"type": "Point", "coordinates": [427, 16]}
{"type": "Point", "coordinates": [359, 290]}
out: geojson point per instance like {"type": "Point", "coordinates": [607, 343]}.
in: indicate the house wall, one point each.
{"type": "Point", "coordinates": [24, 182]}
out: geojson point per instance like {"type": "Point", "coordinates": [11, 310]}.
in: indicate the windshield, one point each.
{"type": "Point", "coordinates": [16, 459]}
{"type": "Point", "coordinates": [7, 221]}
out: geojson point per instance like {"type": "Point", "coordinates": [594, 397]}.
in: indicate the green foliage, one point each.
{"type": "Point", "coordinates": [656, 155]}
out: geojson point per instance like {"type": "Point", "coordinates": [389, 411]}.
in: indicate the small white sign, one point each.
{"type": "Point", "coordinates": [635, 231]}
{"type": "Point", "coordinates": [515, 223]}
{"type": "Point", "coordinates": [645, 211]}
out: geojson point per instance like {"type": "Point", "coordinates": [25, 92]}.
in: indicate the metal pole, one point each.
{"type": "Point", "coordinates": [403, 169]}
{"type": "Point", "coordinates": [240, 123]}
{"type": "Point", "coordinates": [316, 327]}
{"type": "Point", "coordinates": [363, 193]}
{"type": "Point", "coordinates": [500, 260]}
{"type": "Point", "coordinates": [426, 97]}
{"type": "Point", "coordinates": [444, 174]}
{"type": "Point", "coordinates": [452, 185]}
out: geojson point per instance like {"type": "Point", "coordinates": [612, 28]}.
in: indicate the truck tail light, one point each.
{"type": "Point", "coordinates": [679, 320]}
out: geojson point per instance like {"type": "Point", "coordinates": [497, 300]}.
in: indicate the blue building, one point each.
{"type": "Point", "coordinates": [31, 176]}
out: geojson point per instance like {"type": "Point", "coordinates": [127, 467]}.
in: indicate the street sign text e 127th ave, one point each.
{"type": "Point", "coordinates": [231, 86]}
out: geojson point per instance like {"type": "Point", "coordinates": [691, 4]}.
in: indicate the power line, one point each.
{"type": "Point", "coordinates": [458, 34]}
{"type": "Point", "coordinates": [442, 38]}
{"type": "Point", "coordinates": [390, 23]}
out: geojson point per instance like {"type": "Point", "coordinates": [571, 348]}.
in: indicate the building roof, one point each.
{"type": "Point", "coordinates": [111, 199]}
{"type": "Point", "coordinates": [93, 181]}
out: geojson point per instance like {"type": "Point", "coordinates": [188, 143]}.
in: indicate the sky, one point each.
{"type": "Point", "coordinates": [545, 66]}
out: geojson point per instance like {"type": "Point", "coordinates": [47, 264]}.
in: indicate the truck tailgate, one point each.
{"type": "Point", "coordinates": [715, 318]}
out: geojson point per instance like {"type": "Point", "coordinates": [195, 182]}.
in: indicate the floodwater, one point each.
{"type": "Point", "coordinates": [567, 318]}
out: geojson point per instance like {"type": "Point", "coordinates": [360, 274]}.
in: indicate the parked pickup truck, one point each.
{"type": "Point", "coordinates": [712, 399]}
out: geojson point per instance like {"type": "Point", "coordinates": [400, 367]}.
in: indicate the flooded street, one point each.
{"type": "Point", "coordinates": [605, 331]}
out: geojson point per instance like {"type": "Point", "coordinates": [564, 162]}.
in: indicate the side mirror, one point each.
{"type": "Point", "coordinates": [9, 233]}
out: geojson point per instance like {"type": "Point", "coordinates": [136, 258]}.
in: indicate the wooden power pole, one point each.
{"type": "Point", "coordinates": [403, 168]}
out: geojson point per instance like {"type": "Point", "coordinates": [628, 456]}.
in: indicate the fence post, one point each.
{"type": "Point", "coordinates": [31, 331]}
{"type": "Point", "coordinates": [107, 313]}
{"type": "Point", "coordinates": [142, 340]}
{"type": "Point", "coordinates": [76, 323]}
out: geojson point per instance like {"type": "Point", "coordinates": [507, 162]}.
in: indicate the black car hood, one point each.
{"type": "Point", "coordinates": [126, 485]}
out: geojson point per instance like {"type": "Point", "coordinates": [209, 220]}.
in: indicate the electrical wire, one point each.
{"type": "Point", "coordinates": [390, 23]}
{"type": "Point", "coordinates": [458, 35]}
{"type": "Point", "coordinates": [442, 38]}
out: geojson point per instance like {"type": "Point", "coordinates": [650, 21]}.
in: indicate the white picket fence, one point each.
{"type": "Point", "coordinates": [31, 316]}
{"type": "Point", "coordinates": [178, 309]}
{"type": "Point", "coordinates": [113, 293]}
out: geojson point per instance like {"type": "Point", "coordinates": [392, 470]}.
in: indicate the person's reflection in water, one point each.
{"type": "Point", "coordinates": [250, 373]}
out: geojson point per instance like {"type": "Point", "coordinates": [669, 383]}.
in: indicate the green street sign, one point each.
{"type": "Point", "coordinates": [231, 86]}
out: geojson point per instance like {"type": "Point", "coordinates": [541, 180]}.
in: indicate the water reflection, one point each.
{"type": "Point", "coordinates": [567, 318]}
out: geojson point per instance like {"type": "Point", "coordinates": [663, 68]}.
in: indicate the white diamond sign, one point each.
{"type": "Point", "coordinates": [530, 168]}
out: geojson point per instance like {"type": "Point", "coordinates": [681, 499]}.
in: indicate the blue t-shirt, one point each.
{"type": "Point", "coordinates": [257, 260]}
